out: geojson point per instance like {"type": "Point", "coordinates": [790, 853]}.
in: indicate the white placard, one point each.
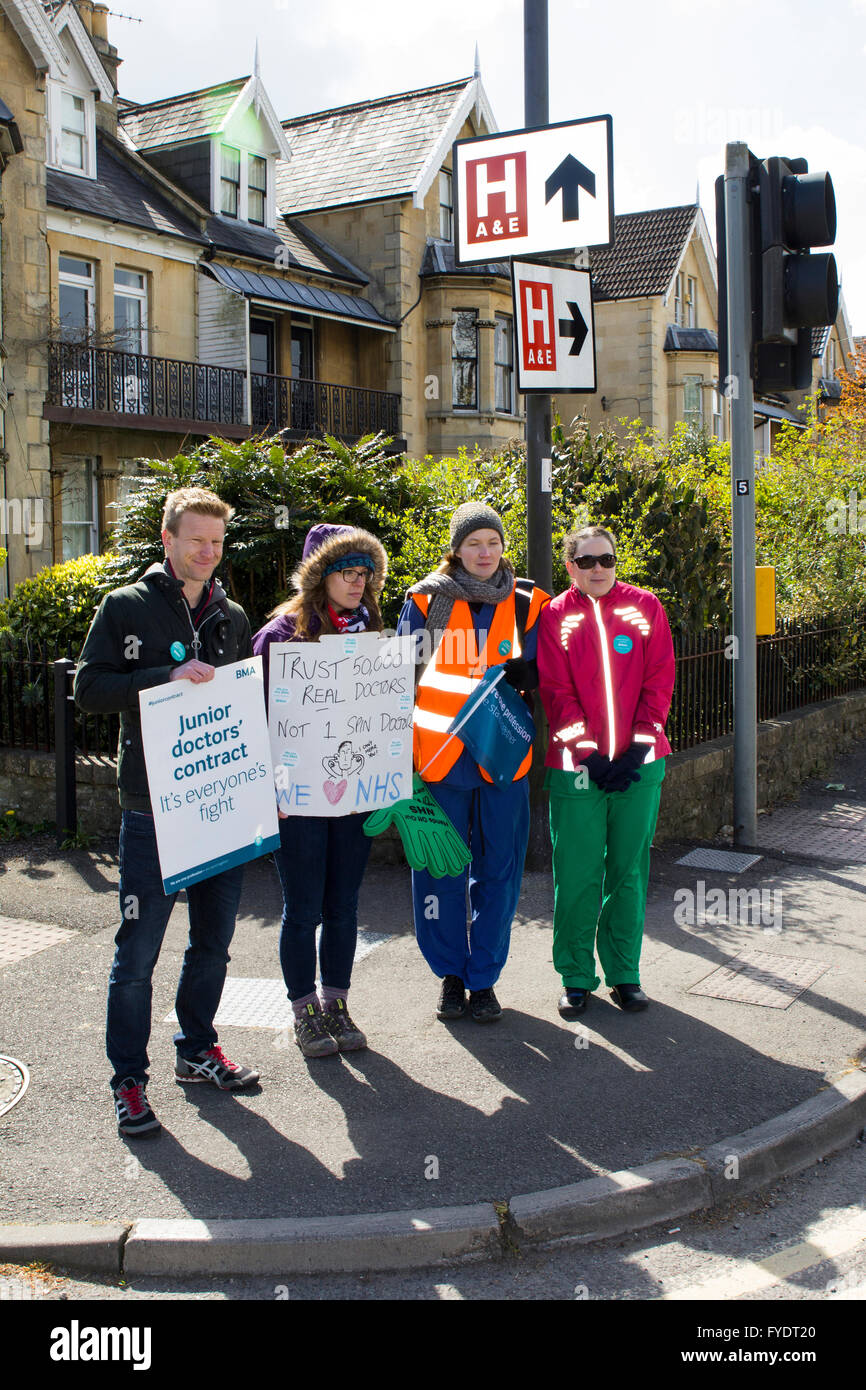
{"type": "Point", "coordinates": [340, 716]}
{"type": "Point", "coordinates": [209, 772]}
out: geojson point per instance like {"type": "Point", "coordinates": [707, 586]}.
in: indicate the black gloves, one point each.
{"type": "Point", "coordinates": [598, 766]}
{"type": "Point", "coordinates": [520, 673]}
{"type": "Point", "coordinates": [623, 770]}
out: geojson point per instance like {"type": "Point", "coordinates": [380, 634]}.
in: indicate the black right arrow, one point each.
{"type": "Point", "coordinates": [570, 176]}
{"type": "Point", "coordinates": [575, 328]}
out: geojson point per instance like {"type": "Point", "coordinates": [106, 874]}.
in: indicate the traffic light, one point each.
{"type": "Point", "coordinates": [796, 289]}
{"type": "Point", "coordinates": [792, 289]}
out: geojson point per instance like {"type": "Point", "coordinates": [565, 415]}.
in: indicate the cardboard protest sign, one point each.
{"type": "Point", "coordinates": [340, 719]}
{"type": "Point", "coordinates": [209, 773]}
{"type": "Point", "coordinates": [429, 839]}
{"type": "Point", "coordinates": [496, 726]}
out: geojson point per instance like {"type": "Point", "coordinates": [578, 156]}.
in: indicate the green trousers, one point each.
{"type": "Point", "coordinates": [601, 847]}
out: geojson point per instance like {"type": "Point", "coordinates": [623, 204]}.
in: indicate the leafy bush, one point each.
{"type": "Point", "coordinates": [57, 604]}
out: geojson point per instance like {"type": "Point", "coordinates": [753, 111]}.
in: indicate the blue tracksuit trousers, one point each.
{"type": "Point", "coordinates": [494, 822]}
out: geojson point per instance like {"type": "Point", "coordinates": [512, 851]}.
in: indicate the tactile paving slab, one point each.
{"type": "Point", "coordinates": [837, 832]}
{"type": "Point", "coordinates": [725, 860]}
{"type": "Point", "coordinates": [252, 1003]}
{"type": "Point", "coordinates": [759, 977]}
{"type": "Point", "coordinates": [19, 939]}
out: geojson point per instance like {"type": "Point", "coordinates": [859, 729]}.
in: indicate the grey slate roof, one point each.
{"type": "Point", "coordinates": [647, 247]}
{"type": "Point", "coordinates": [293, 241]}
{"type": "Point", "coordinates": [308, 297]}
{"type": "Point", "coordinates": [679, 339]}
{"type": "Point", "coordinates": [363, 153]}
{"type": "Point", "coordinates": [439, 260]}
{"type": "Point", "coordinates": [118, 195]}
{"type": "Point", "coordinates": [186, 117]}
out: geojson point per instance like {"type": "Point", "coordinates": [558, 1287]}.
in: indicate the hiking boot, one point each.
{"type": "Point", "coordinates": [345, 1033]}
{"type": "Point", "coordinates": [484, 1006]}
{"type": "Point", "coordinates": [311, 1035]}
{"type": "Point", "coordinates": [213, 1065]}
{"type": "Point", "coordinates": [452, 998]}
{"type": "Point", "coordinates": [134, 1116]}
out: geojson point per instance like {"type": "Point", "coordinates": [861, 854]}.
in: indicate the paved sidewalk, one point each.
{"type": "Point", "coordinates": [437, 1116]}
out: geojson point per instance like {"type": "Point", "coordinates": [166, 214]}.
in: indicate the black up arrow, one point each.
{"type": "Point", "coordinates": [570, 176]}
{"type": "Point", "coordinates": [575, 328]}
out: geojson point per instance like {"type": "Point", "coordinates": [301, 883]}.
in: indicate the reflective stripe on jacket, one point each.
{"type": "Point", "coordinates": [606, 674]}
{"type": "Point", "coordinates": [452, 674]}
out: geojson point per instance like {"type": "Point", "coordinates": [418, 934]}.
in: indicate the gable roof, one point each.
{"type": "Point", "coordinates": [66, 17]}
{"type": "Point", "coordinates": [372, 150]}
{"type": "Point", "coordinates": [647, 248]}
{"type": "Point", "coordinates": [31, 23]}
{"type": "Point", "coordinates": [179, 118]}
{"type": "Point", "coordinates": [194, 115]}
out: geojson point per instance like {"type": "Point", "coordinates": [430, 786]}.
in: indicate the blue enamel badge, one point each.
{"type": "Point", "coordinates": [622, 644]}
{"type": "Point", "coordinates": [178, 651]}
{"type": "Point", "coordinates": [504, 648]}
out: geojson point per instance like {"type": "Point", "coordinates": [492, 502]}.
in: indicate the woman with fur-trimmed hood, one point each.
{"type": "Point", "coordinates": [321, 860]}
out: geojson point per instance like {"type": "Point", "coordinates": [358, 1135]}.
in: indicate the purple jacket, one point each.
{"type": "Point", "coordinates": [277, 630]}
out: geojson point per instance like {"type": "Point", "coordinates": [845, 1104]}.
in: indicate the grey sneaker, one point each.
{"type": "Point", "coordinates": [214, 1066]}
{"type": "Point", "coordinates": [346, 1034]}
{"type": "Point", "coordinates": [311, 1035]}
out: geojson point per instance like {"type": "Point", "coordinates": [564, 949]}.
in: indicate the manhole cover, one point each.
{"type": "Point", "coordinates": [14, 1080]}
{"type": "Point", "coordinates": [758, 977]}
{"type": "Point", "coordinates": [726, 861]}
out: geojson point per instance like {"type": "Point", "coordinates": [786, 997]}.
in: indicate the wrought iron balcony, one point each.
{"type": "Point", "coordinates": [107, 386]}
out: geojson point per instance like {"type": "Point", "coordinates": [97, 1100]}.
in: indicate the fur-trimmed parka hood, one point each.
{"type": "Point", "coordinates": [342, 541]}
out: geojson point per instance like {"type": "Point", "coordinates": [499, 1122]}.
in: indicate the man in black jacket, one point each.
{"type": "Point", "coordinates": [175, 623]}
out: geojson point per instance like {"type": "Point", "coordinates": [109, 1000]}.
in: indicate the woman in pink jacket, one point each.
{"type": "Point", "coordinates": [606, 676]}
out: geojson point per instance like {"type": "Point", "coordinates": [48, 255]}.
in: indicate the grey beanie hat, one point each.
{"type": "Point", "coordinates": [474, 516]}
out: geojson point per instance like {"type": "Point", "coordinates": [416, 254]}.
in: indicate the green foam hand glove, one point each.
{"type": "Point", "coordinates": [429, 838]}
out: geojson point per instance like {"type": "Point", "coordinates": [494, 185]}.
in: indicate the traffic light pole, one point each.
{"type": "Point", "coordinates": [539, 484]}
{"type": "Point", "coordinates": [739, 383]}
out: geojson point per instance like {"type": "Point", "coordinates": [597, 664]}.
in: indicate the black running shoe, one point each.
{"type": "Point", "coordinates": [452, 998]}
{"type": "Point", "coordinates": [484, 1006]}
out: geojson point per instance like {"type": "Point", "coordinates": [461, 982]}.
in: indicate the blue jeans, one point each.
{"type": "Point", "coordinates": [321, 862]}
{"type": "Point", "coordinates": [145, 910]}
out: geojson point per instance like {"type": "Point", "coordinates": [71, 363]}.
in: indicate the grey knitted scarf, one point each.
{"type": "Point", "coordinates": [447, 589]}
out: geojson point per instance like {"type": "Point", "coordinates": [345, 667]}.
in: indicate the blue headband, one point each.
{"type": "Point", "coordinates": [350, 562]}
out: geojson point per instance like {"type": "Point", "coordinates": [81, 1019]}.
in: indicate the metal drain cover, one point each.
{"type": "Point", "coordinates": [726, 861]}
{"type": "Point", "coordinates": [14, 1080]}
{"type": "Point", "coordinates": [760, 977]}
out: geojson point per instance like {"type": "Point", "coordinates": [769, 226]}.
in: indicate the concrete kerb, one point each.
{"type": "Point", "coordinates": [593, 1209]}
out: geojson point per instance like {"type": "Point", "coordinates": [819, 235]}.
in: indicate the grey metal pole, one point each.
{"type": "Point", "coordinates": [539, 526]}
{"type": "Point", "coordinates": [739, 288]}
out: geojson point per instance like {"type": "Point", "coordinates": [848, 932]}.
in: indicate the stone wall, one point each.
{"type": "Point", "coordinates": [697, 794]}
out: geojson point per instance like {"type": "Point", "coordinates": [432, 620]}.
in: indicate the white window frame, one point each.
{"type": "Point", "coordinates": [127, 292]}
{"type": "Point", "coordinates": [69, 463]}
{"type": "Point", "coordinates": [85, 282]}
{"type": "Point", "coordinates": [689, 415]}
{"type": "Point", "coordinates": [508, 323]}
{"type": "Point", "coordinates": [243, 188]}
{"type": "Point", "coordinates": [691, 302]}
{"type": "Point", "coordinates": [446, 178]}
{"type": "Point", "coordinates": [56, 92]}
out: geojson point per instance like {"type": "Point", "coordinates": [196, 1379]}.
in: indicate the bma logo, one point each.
{"type": "Point", "coordinates": [496, 197]}
{"type": "Point", "coordinates": [538, 339]}
{"type": "Point", "coordinates": [244, 671]}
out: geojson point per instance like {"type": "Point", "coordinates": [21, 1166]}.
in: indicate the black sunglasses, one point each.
{"type": "Point", "coordinates": [589, 562]}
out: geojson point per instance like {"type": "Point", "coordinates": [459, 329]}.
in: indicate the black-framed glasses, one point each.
{"type": "Point", "coordinates": [589, 562]}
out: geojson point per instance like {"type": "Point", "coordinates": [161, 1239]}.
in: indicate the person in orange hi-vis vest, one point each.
{"type": "Point", "coordinates": [470, 614]}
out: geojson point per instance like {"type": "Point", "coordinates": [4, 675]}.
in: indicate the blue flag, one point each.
{"type": "Point", "coordinates": [496, 726]}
